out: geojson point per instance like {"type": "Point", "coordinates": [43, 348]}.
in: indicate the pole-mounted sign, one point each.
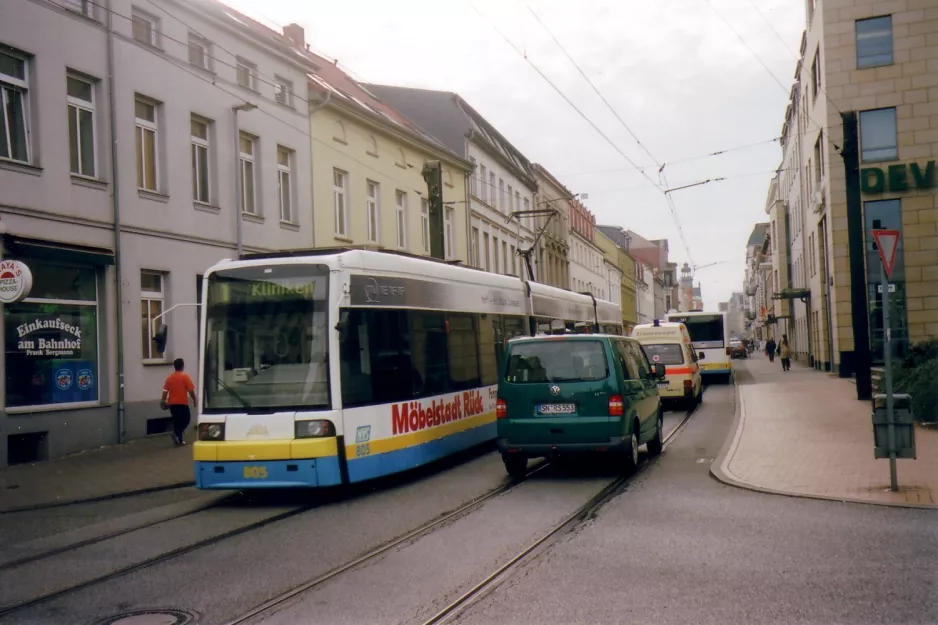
{"type": "Point", "coordinates": [887, 242]}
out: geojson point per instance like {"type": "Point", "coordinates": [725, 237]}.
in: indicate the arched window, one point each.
{"type": "Point", "coordinates": [373, 143]}
{"type": "Point", "coordinates": [339, 132]}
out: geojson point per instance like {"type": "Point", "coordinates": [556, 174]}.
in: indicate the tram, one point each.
{"type": "Point", "coordinates": [329, 367]}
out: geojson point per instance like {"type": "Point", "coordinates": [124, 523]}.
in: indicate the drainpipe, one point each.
{"type": "Point", "coordinates": [115, 199]}
{"type": "Point", "coordinates": [313, 108]}
{"type": "Point", "coordinates": [477, 261]}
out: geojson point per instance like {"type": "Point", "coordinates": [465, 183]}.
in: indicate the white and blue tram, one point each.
{"type": "Point", "coordinates": [326, 367]}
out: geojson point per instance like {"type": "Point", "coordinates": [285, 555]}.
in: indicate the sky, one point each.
{"type": "Point", "coordinates": [687, 78]}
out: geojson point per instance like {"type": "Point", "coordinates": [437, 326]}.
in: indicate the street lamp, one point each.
{"type": "Point", "coordinates": [245, 106]}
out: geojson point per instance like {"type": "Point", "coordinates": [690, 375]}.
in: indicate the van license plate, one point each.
{"type": "Point", "coordinates": [556, 408]}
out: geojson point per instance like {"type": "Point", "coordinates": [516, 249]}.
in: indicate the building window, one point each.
{"type": "Point", "coordinates": [146, 140]}
{"type": "Point", "coordinates": [518, 201]}
{"type": "Point", "coordinates": [874, 42]}
{"type": "Point", "coordinates": [151, 306]}
{"type": "Point", "coordinates": [85, 7]}
{"type": "Point", "coordinates": [504, 256]}
{"type": "Point", "coordinates": [819, 161]}
{"type": "Point", "coordinates": [511, 193]}
{"type": "Point", "coordinates": [247, 73]}
{"type": "Point", "coordinates": [474, 246]}
{"type": "Point", "coordinates": [285, 184]}
{"type": "Point", "coordinates": [878, 135]}
{"type": "Point", "coordinates": [52, 338]}
{"type": "Point", "coordinates": [283, 91]}
{"type": "Point", "coordinates": [372, 208]}
{"type": "Point", "coordinates": [201, 191]}
{"type": "Point", "coordinates": [14, 121]}
{"type": "Point", "coordinates": [146, 28]}
{"type": "Point", "coordinates": [81, 126]}
{"type": "Point", "coordinates": [473, 185]}
{"type": "Point", "coordinates": [198, 51]}
{"type": "Point", "coordinates": [448, 233]}
{"type": "Point", "coordinates": [246, 148]}
{"type": "Point", "coordinates": [400, 218]}
{"type": "Point", "coordinates": [816, 74]}
{"type": "Point", "coordinates": [483, 185]}
{"type": "Point", "coordinates": [339, 205]}
{"type": "Point", "coordinates": [425, 224]}
{"type": "Point", "coordinates": [495, 264]}
{"type": "Point", "coordinates": [501, 195]}
{"type": "Point", "coordinates": [514, 262]}
{"type": "Point", "coordinates": [485, 239]}
{"type": "Point", "coordinates": [491, 197]}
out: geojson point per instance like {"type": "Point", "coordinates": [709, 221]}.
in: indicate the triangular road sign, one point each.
{"type": "Point", "coordinates": [887, 242]}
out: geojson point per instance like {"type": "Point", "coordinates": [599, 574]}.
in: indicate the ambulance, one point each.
{"type": "Point", "coordinates": [669, 344]}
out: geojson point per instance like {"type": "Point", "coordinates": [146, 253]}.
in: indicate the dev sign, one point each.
{"type": "Point", "coordinates": [16, 281]}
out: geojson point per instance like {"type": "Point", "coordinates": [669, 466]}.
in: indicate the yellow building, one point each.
{"type": "Point", "coordinates": [619, 255]}
{"type": "Point", "coordinates": [367, 160]}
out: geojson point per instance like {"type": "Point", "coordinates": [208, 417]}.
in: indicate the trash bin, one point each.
{"type": "Point", "coordinates": [903, 422]}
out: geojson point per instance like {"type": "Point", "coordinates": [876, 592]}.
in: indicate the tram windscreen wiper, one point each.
{"type": "Point", "coordinates": [244, 403]}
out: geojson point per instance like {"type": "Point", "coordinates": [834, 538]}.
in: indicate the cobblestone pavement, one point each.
{"type": "Point", "coordinates": [803, 432]}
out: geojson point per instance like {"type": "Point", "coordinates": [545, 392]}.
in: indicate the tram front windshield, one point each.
{"type": "Point", "coordinates": [266, 339]}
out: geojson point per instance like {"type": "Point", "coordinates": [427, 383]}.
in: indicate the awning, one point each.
{"type": "Point", "coordinates": [26, 248]}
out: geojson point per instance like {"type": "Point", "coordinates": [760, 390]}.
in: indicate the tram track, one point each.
{"type": "Point", "coordinates": [17, 606]}
{"type": "Point", "coordinates": [582, 513]}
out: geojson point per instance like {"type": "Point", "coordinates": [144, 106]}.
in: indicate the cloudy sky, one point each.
{"type": "Point", "coordinates": [674, 71]}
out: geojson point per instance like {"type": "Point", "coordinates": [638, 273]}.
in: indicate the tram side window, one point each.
{"type": "Point", "coordinates": [463, 349]}
{"type": "Point", "coordinates": [490, 341]}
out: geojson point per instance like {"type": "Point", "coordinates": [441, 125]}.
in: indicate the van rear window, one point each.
{"type": "Point", "coordinates": [556, 361]}
{"type": "Point", "coordinates": [668, 353]}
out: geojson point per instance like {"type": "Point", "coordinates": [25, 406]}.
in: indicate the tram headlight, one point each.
{"type": "Point", "coordinates": [211, 431]}
{"type": "Point", "coordinates": [319, 428]}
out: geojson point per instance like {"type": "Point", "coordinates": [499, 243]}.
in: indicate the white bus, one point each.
{"type": "Point", "coordinates": [709, 334]}
{"type": "Point", "coordinates": [329, 367]}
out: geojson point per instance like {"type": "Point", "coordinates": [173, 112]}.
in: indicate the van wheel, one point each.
{"type": "Point", "coordinates": [516, 466]}
{"type": "Point", "coordinates": [656, 444]}
{"type": "Point", "coordinates": [631, 453]}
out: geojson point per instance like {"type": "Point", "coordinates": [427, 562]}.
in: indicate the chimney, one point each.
{"type": "Point", "coordinates": [295, 33]}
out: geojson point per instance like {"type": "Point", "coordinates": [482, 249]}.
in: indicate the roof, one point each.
{"type": "Point", "coordinates": [448, 116]}
{"type": "Point", "coordinates": [758, 235]}
{"type": "Point", "coordinates": [618, 235]}
{"type": "Point", "coordinates": [326, 76]}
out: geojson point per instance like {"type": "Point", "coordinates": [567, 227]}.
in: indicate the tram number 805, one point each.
{"type": "Point", "coordinates": [255, 473]}
{"type": "Point", "coordinates": [362, 449]}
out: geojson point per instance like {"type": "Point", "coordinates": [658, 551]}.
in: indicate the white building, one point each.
{"type": "Point", "coordinates": [612, 289]}
{"type": "Point", "coordinates": [503, 181]}
{"type": "Point", "coordinates": [644, 291]}
{"type": "Point", "coordinates": [107, 268]}
{"type": "Point", "coordinates": [587, 271]}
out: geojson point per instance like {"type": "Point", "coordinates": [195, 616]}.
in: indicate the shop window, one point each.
{"type": "Point", "coordinates": [151, 306]}
{"type": "Point", "coordinates": [51, 339]}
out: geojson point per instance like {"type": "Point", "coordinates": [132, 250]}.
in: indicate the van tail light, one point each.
{"type": "Point", "coordinates": [729, 351]}
{"type": "Point", "coordinates": [501, 409]}
{"type": "Point", "coordinates": [688, 384]}
{"type": "Point", "coordinates": [616, 406]}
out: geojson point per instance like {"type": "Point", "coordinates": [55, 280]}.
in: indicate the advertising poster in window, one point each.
{"type": "Point", "coordinates": [51, 354]}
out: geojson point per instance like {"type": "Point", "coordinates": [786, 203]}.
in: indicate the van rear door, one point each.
{"type": "Point", "coordinates": [557, 391]}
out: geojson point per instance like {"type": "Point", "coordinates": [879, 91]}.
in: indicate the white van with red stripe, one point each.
{"type": "Point", "coordinates": [669, 344]}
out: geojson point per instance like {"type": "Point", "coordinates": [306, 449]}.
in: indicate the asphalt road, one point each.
{"type": "Point", "coordinates": [679, 547]}
{"type": "Point", "coordinates": [222, 580]}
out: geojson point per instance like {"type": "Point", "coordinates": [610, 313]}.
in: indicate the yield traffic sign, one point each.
{"type": "Point", "coordinates": [887, 242]}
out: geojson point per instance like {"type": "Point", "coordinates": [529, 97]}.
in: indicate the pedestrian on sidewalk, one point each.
{"type": "Point", "coordinates": [770, 347]}
{"type": "Point", "coordinates": [177, 390]}
{"type": "Point", "coordinates": [784, 350]}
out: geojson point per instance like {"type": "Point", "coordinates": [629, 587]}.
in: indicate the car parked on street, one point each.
{"type": "Point", "coordinates": [572, 394]}
{"type": "Point", "coordinates": [737, 349]}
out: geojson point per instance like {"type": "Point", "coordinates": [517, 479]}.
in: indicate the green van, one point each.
{"type": "Point", "coordinates": [577, 393]}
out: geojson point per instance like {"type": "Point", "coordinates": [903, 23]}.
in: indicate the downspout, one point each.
{"type": "Point", "coordinates": [475, 262]}
{"type": "Point", "coordinates": [313, 108]}
{"type": "Point", "coordinates": [115, 199]}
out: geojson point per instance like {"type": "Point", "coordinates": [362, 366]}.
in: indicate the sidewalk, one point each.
{"type": "Point", "coordinates": [804, 433]}
{"type": "Point", "coordinates": [147, 464]}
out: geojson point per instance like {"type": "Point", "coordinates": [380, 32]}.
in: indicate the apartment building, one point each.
{"type": "Point", "coordinates": [627, 274]}
{"type": "Point", "coordinates": [118, 209]}
{"type": "Point", "coordinates": [503, 183]}
{"type": "Point", "coordinates": [757, 286]}
{"type": "Point", "coordinates": [367, 177]}
{"type": "Point", "coordinates": [876, 61]}
{"type": "Point", "coordinates": [586, 258]}
{"type": "Point", "coordinates": [553, 249]}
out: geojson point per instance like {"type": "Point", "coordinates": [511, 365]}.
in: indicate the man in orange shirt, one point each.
{"type": "Point", "coordinates": [177, 390]}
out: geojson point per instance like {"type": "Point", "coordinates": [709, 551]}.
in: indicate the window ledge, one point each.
{"type": "Point", "coordinates": [20, 166]}
{"type": "Point", "coordinates": [23, 410]}
{"type": "Point", "coordinates": [285, 106]}
{"type": "Point", "coordinates": [372, 154]}
{"type": "Point", "coordinates": [289, 225]}
{"type": "Point", "coordinates": [252, 217]}
{"type": "Point", "coordinates": [153, 195]}
{"type": "Point", "coordinates": [156, 362]}
{"type": "Point", "coordinates": [401, 165]}
{"type": "Point", "coordinates": [91, 183]}
{"type": "Point", "coordinates": [338, 140]}
{"type": "Point", "coordinates": [342, 239]}
{"type": "Point", "coordinates": [206, 208]}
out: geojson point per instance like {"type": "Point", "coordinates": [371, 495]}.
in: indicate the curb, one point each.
{"type": "Point", "coordinates": [108, 497]}
{"type": "Point", "coordinates": [719, 470]}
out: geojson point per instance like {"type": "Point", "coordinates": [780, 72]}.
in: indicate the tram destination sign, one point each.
{"type": "Point", "coordinates": [382, 291]}
{"type": "Point", "coordinates": [897, 178]}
